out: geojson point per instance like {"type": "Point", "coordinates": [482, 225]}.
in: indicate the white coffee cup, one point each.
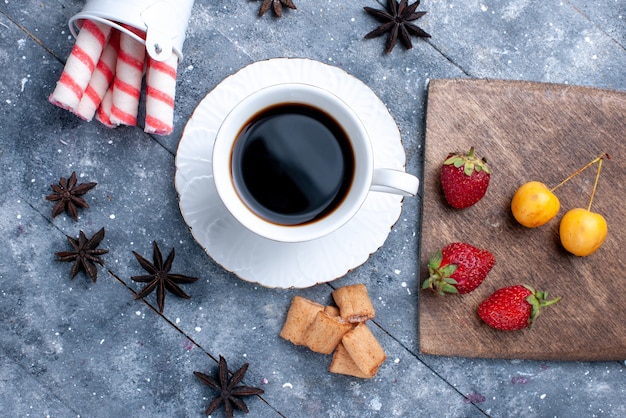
{"type": "Point", "coordinates": [365, 177]}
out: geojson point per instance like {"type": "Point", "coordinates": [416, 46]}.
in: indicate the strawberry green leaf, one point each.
{"type": "Point", "coordinates": [448, 270]}
{"type": "Point", "coordinates": [470, 162]}
{"type": "Point", "coordinates": [448, 288]}
{"type": "Point", "coordinates": [535, 310]}
{"type": "Point", "coordinates": [538, 300]}
{"type": "Point", "coordinates": [450, 160]}
{"type": "Point", "coordinates": [435, 260]}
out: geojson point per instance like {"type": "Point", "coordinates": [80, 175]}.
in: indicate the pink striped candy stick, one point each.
{"type": "Point", "coordinates": [127, 82]}
{"type": "Point", "coordinates": [160, 93]}
{"type": "Point", "coordinates": [100, 79]}
{"type": "Point", "coordinates": [80, 64]}
{"type": "Point", "coordinates": [103, 115]}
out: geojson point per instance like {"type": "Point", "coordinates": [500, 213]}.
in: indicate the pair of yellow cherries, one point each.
{"type": "Point", "coordinates": [581, 231]}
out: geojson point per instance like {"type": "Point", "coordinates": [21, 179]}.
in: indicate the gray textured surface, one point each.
{"type": "Point", "coordinates": [74, 348]}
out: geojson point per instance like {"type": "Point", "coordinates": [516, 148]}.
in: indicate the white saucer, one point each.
{"type": "Point", "coordinates": [257, 259]}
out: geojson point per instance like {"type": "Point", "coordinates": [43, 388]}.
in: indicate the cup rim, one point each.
{"type": "Point", "coordinates": [297, 93]}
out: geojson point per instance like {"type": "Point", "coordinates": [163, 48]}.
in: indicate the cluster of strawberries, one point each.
{"type": "Point", "coordinates": [459, 267]}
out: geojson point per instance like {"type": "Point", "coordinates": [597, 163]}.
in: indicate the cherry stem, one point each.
{"type": "Point", "coordinates": [580, 170]}
{"type": "Point", "coordinates": [595, 184]}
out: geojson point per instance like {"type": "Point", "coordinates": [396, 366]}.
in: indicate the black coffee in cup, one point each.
{"type": "Point", "coordinates": [292, 164]}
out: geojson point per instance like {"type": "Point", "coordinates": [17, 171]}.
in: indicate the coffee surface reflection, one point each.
{"type": "Point", "coordinates": [292, 164]}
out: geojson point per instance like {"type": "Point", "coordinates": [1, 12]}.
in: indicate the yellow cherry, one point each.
{"type": "Point", "coordinates": [534, 204]}
{"type": "Point", "coordinates": [582, 232]}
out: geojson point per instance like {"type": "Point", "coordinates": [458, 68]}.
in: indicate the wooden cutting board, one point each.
{"type": "Point", "coordinates": [528, 131]}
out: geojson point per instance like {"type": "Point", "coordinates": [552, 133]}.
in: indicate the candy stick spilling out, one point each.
{"type": "Point", "coordinates": [80, 65]}
{"type": "Point", "coordinates": [103, 114]}
{"type": "Point", "coordinates": [127, 82]}
{"type": "Point", "coordinates": [160, 90]}
{"type": "Point", "coordinates": [100, 80]}
{"type": "Point", "coordinates": [103, 77]}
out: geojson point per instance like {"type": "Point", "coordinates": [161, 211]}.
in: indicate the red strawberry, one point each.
{"type": "Point", "coordinates": [513, 308]}
{"type": "Point", "coordinates": [458, 268]}
{"type": "Point", "coordinates": [464, 179]}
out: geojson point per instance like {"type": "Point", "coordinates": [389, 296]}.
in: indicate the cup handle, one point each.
{"type": "Point", "coordinates": [394, 181]}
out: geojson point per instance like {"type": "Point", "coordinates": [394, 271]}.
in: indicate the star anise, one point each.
{"type": "Point", "coordinates": [85, 254]}
{"type": "Point", "coordinates": [229, 391]}
{"type": "Point", "coordinates": [160, 277]}
{"type": "Point", "coordinates": [397, 21]}
{"type": "Point", "coordinates": [68, 196]}
{"type": "Point", "coordinates": [277, 5]}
